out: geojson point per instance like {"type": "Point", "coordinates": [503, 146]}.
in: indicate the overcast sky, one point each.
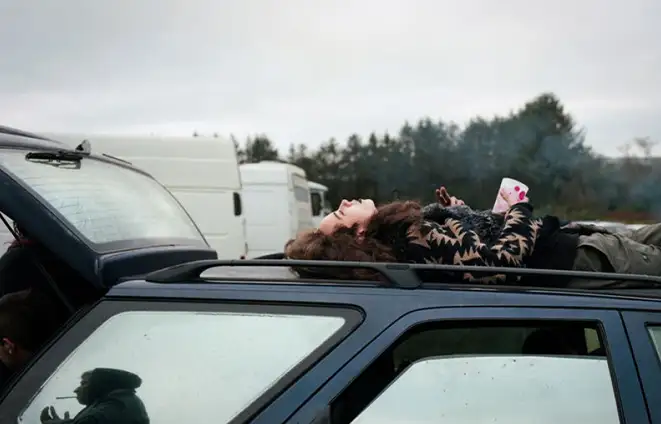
{"type": "Point", "coordinates": [303, 71]}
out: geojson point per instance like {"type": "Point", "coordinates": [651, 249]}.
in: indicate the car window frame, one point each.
{"type": "Point", "coordinates": [49, 359]}
{"type": "Point", "coordinates": [630, 400]}
{"type": "Point", "coordinates": [648, 360]}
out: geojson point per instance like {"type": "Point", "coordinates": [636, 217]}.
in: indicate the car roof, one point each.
{"type": "Point", "coordinates": [272, 280]}
{"type": "Point", "coordinates": [317, 186]}
{"type": "Point", "coordinates": [13, 137]}
{"type": "Point", "coordinates": [359, 295]}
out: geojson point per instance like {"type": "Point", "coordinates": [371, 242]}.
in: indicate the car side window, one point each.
{"type": "Point", "coordinates": [655, 334]}
{"type": "Point", "coordinates": [316, 203]}
{"type": "Point", "coordinates": [543, 373]}
{"type": "Point", "coordinates": [301, 194]}
{"type": "Point", "coordinates": [178, 366]}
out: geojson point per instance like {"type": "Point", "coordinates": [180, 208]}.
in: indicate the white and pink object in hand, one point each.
{"type": "Point", "coordinates": [514, 189]}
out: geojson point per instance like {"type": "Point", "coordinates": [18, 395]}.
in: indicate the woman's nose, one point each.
{"type": "Point", "coordinates": [345, 203]}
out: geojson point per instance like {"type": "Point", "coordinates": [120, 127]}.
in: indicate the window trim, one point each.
{"type": "Point", "coordinates": [630, 402]}
{"type": "Point", "coordinates": [647, 358]}
{"type": "Point", "coordinates": [50, 358]}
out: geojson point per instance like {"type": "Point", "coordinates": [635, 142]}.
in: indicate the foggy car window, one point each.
{"type": "Point", "coordinates": [183, 367]}
{"type": "Point", "coordinates": [507, 389]}
{"type": "Point", "coordinates": [105, 202]}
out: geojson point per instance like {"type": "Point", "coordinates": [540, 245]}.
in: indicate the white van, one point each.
{"type": "Point", "coordinates": [320, 205]}
{"type": "Point", "coordinates": [276, 201]}
{"type": "Point", "coordinates": [201, 172]}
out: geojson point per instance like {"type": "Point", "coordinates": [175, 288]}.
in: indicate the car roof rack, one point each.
{"type": "Point", "coordinates": [20, 133]}
{"type": "Point", "coordinates": [397, 275]}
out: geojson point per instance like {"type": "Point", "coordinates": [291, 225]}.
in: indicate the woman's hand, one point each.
{"type": "Point", "coordinates": [445, 199]}
{"type": "Point", "coordinates": [512, 197]}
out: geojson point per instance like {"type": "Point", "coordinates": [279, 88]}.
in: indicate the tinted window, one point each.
{"type": "Point", "coordinates": [316, 204]}
{"type": "Point", "coordinates": [193, 367]}
{"type": "Point", "coordinates": [105, 202]}
{"type": "Point", "coordinates": [496, 372]}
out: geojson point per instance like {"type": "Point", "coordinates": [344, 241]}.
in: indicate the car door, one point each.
{"type": "Point", "coordinates": [644, 330]}
{"type": "Point", "coordinates": [176, 361]}
{"type": "Point", "coordinates": [466, 365]}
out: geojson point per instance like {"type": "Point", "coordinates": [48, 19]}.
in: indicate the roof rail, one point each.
{"type": "Point", "coordinates": [20, 133]}
{"type": "Point", "coordinates": [399, 275]}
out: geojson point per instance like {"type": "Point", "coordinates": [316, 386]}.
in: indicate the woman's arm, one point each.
{"type": "Point", "coordinates": [439, 213]}
{"type": "Point", "coordinates": [449, 243]}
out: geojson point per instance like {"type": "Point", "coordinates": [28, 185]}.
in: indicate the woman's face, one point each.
{"type": "Point", "coordinates": [350, 213]}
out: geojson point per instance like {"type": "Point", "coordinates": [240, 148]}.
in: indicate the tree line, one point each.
{"type": "Point", "coordinates": [539, 144]}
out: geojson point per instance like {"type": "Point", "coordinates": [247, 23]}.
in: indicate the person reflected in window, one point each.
{"type": "Point", "coordinates": [109, 397]}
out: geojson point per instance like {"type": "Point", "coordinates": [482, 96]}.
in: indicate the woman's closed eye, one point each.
{"type": "Point", "coordinates": [338, 213]}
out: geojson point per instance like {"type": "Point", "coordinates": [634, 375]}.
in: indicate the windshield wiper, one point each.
{"type": "Point", "coordinates": [58, 156]}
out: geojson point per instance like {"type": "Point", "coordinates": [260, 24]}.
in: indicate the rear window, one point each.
{"type": "Point", "coordinates": [105, 202]}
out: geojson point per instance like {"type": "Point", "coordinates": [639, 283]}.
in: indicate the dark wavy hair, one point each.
{"type": "Point", "coordinates": [382, 242]}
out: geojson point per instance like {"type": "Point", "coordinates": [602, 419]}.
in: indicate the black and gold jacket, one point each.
{"type": "Point", "coordinates": [480, 238]}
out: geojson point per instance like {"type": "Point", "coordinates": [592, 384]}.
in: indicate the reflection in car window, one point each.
{"type": "Point", "coordinates": [108, 395]}
{"type": "Point", "coordinates": [186, 367]}
{"type": "Point", "coordinates": [503, 389]}
{"type": "Point", "coordinates": [105, 202]}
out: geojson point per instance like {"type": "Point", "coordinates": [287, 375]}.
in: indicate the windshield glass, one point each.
{"type": "Point", "coordinates": [105, 202]}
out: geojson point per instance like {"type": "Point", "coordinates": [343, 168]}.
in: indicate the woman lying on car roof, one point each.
{"type": "Point", "coordinates": [451, 233]}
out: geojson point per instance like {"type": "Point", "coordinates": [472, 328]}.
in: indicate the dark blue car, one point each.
{"type": "Point", "coordinates": [248, 342]}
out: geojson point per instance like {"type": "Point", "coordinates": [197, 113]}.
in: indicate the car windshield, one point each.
{"type": "Point", "coordinates": [105, 202]}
